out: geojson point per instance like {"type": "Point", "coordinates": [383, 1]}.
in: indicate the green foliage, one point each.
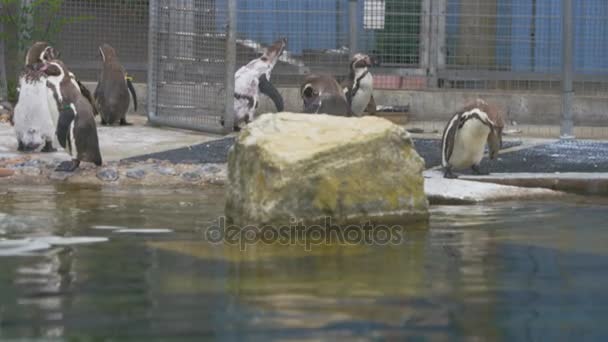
{"type": "Point", "coordinates": [33, 21]}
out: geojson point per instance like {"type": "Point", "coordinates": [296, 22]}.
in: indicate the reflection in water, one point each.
{"type": "Point", "coordinates": [521, 271]}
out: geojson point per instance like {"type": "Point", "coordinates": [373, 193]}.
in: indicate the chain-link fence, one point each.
{"type": "Point", "coordinates": [184, 48]}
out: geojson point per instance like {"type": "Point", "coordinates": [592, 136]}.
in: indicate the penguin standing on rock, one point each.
{"type": "Point", "coordinates": [76, 129]}
{"type": "Point", "coordinates": [35, 116]}
{"type": "Point", "coordinates": [112, 92]}
{"type": "Point", "coordinates": [254, 78]}
{"type": "Point", "coordinates": [322, 94]}
{"type": "Point", "coordinates": [466, 134]}
{"type": "Point", "coordinates": [359, 87]}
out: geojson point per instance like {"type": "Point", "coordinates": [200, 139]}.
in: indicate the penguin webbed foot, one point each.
{"type": "Point", "coordinates": [123, 122]}
{"type": "Point", "coordinates": [449, 174]}
{"type": "Point", "coordinates": [48, 147]}
{"type": "Point", "coordinates": [68, 166]}
{"type": "Point", "coordinates": [478, 171]}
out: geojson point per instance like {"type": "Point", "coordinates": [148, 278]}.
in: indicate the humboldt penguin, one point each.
{"type": "Point", "coordinates": [322, 94]}
{"type": "Point", "coordinates": [41, 52]}
{"type": "Point", "coordinates": [254, 78]}
{"type": "Point", "coordinates": [359, 86]}
{"type": "Point", "coordinates": [34, 116]}
{"type": "Point", "coordinates": [112, 92]}
{"type": "Point", "coordinates": [76, 129]}
{"type": "Point", "coordinates": [466, 134]}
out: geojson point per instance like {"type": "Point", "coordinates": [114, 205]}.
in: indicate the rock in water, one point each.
{"type": "Point", "coordinates": [312, 167]}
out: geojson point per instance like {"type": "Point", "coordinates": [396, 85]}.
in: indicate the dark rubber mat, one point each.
{"type": "Point", "coordinates": [560, 156]}
{"type": "Point", "coordinates": [215, 151]}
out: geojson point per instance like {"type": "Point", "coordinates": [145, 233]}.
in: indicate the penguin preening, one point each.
{"type": "Point", "coordinates": [41, 52]}
{"type": "Point", "coordinates": [466, 134]}
{"type": "Point", "coordinates": [322, 94]}
{"type": "Point", "coordinates": [76, 129]}
{"type": "Point", "coordinates": [359, 86]}
{"type": "Point", "coordinates": [254, 78]}
{"type": "Point", "coordinates": [113, 88]}
{"type": "Point", "coordinates": [35, 116]}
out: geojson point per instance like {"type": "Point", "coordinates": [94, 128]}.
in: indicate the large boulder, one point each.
{"type": "Point", "coordinates": [311, 167]}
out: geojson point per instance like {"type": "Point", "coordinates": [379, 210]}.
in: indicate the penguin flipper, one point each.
{"type": "Point", "coordinates": [66, 116]}
{"type": "Point", "coordinates": [87, 95]}
{"type": "Point", "coordinates": [269, 90]}
{"type": "Point", "coordinates": [449, 136]}
{"type": "Point", "coordinates": [132, 90]}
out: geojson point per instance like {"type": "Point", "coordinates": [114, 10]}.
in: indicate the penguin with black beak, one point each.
{"type": "Point", "coordinates": [76, 129]}
{"type": "Point", "coordinates": [466, 134]}
{"type": "Point", "coordinates": [359, 86]}
{"type": "Point", "coordinates": [113, 88]}
{"type": "Point", "coordinates": [41, 52]}
{"type": "Point", "coordinates": [254, 78]}
{"type": "Point", "coordinates": [322, 94]}
{"type": "Point", "coordinates": [35, 116]}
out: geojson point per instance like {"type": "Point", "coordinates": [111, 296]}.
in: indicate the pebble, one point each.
{"type": "Point", "coordinates": [6, 172]}
{"type": "Point", "coordinates": [30, 171]}
{"type": "Point", "coordinates": [136, 173]}
{"type": "Point", "coordinates": [210, 168]}
{"type": "Point", "coordinates": [191, 176]}
{"type": "Point", "coordinates": [166, 171]}
{"type": "Point", "coordinates": [108, 174]}
{"type": "Point", "coordinates": [61, 176]}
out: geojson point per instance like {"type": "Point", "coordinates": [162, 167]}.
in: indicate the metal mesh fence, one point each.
{"type": "Point", "coordinates": [188, 63]}
{"type": "Point", "coordinates": [121, 23]}
{"type": "Point", "coordinates": [476, 45]}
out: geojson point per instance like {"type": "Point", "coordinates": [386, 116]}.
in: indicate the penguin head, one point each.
{"type": "Point", "coordinates": [274, 51]}
{"type": "Point", "coordinates": [360, 61]}
{"type": "Point", "coordinates": [311, 98]}
{"type": "Point", "coordinates": [107, 52]}
{"type": "Point", "coordinates": [39, 53]}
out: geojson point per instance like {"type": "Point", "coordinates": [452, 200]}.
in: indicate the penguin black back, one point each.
{"type": "Point", "coordinates": [113, 88]}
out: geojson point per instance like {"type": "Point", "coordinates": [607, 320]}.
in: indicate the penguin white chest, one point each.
{"type": "Point", "coordinates": [469, 144]}
{"type": "Point", "coordinates": [33, 119]}
{"type": "Point", "coordinates": [363, 94]}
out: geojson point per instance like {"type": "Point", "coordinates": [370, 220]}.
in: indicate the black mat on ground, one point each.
{"type": "Point", "coordinates": [215, 151]}
{"type": "Point", "coordinates": [560, 156]}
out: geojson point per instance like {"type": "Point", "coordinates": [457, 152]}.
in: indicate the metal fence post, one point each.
{"type": "Point", "coordinates": [230, 66]}
{"type": "Point", "coordinates": [437, 41]}
{"type": "Point", "coordinates": [152, 59]}
{"type": "Point", "coordinates": [3, 83]}
{"type": "Point", "coordinates": [352, 27]}
{"type": "Point", "coordinates": [567, 69]}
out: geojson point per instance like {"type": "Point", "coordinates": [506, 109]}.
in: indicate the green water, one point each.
{"type": "Point", "coordinates": [510, 271]}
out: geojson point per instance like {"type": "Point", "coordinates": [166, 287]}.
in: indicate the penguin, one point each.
{"type": "Point", "coordinates": [76, 129]}
{"type": "Point", "coordinates": [34, 117]}
{"type": "Point", "coordinates": [40, 52]}
{"type": "Point", "coordinates": [113, 88]}
{"type": "Point", "coordinates": [359, 86]}
{"type": "Point", "coordinates": [466, 134]}
{"type": "Point", "coordinates": [322, 94]}
{"type": "Point", "coordinates": [254, 78]}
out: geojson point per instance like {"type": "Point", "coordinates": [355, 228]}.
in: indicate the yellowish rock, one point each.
{"type": "Point", "coordinates": [315, 167]}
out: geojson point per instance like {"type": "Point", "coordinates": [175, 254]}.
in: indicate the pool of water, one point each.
{"type": "Point", "coordinates": [509, 271]}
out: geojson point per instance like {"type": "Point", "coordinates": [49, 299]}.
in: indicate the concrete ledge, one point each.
{"type": "Point", "coordinates": [580, 183]}
{"type": "Point", "coordinates": [440, 190]}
